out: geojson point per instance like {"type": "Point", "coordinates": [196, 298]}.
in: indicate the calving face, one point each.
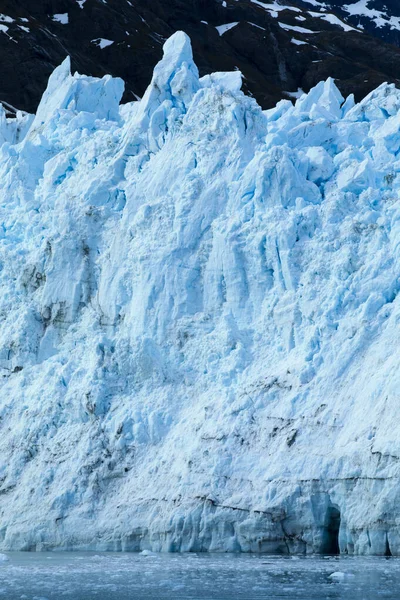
{"type": "Point", "coordinates": [199, 317]}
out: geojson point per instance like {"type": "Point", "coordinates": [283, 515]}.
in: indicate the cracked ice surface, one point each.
{"type": "Point", "coordinates": [199, 317]}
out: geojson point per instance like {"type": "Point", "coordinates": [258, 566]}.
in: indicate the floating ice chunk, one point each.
{"type": "Point", "coordinates": [337, 576]}
{"type": "Point", "coordinates": [340, 576]}
{"type": "Point", "coordinates": [4, 558]}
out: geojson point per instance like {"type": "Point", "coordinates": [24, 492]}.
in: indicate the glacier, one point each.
{"type": "Point", "coordinates": [199, 318]}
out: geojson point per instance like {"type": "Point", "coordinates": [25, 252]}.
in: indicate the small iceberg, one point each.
{"type": "Point", "coordinates": [339, 576]}
{"type": "Point", "coordinates": [148, 553]}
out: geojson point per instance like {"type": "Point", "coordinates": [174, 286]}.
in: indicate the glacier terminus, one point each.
{"type": "Point", "coordinates": [200, 318]}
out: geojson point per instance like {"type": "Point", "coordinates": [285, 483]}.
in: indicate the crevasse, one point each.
{"type": "Point", "coordinates": [199, 318]}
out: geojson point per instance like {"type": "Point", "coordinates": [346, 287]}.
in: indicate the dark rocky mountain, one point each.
{"type": "Point", "coordinates": [280, 47]}
{"type": "Point", "coordinates": [378, 17]}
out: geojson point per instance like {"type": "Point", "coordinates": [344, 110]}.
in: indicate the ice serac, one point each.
{"type": "Point", "coordinates": [79, 93]}
{"type": "Point", "coordinates": [175, 81]}
{"type": "Point", "coordinates": [200, 318]}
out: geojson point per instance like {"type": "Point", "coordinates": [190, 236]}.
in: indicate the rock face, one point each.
{"type": "Point", "coordinates": [279, 47]}
{"type": "Point", "coordinates": [199, 318]}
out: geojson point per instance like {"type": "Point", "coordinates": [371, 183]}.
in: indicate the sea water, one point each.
{"type": "Point", "coordinates": [146, 576]}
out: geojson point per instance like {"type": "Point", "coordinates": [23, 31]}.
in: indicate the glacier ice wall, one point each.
{"type": "Point", "coordinates": [199, 317]}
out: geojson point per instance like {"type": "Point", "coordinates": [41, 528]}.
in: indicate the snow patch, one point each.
{"type": "Point", "coordinates": [257, 26]}
{"type": "Point", "coordinates": [61, 18]}
{"type": "Point", "coordinates": [378, 17]}
{"type": "Point", "coordinates": [298, 42]}
{"type": "Point", "coordinates": [274, 8]}
{"type": "Point", "coordinates": [224, 28]}
{"type": "Point", "coordinates": [333, 19]}
{"type": "Point", "coordinates": [102, 42]}
{"type": "Point", "coordinates": [295, 28]}
{"type": "Point", "coordinates": [316, 3]}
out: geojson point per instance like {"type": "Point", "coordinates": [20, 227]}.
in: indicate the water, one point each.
{"type": "Point", "coordinates": [78, 576]}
